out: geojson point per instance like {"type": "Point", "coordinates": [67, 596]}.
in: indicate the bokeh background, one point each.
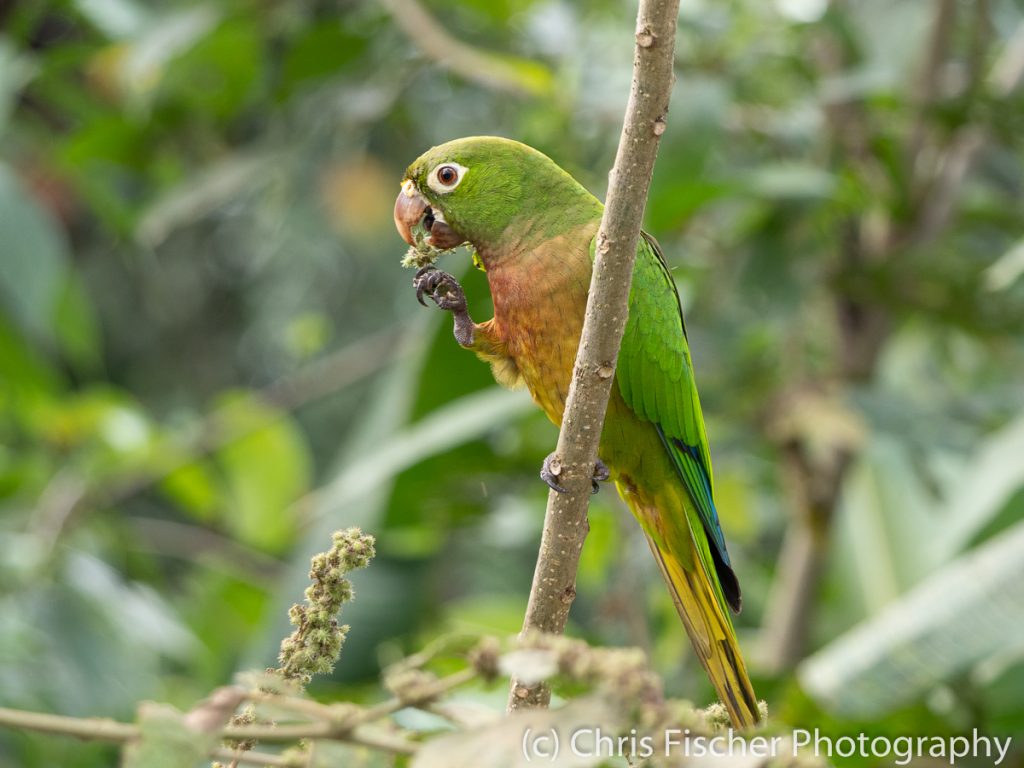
{"type": "Point", "coordinates": [210, 357]}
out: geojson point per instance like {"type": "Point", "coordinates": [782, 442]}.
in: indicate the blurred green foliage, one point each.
{"type": "Point", "coordinates": [210, 358]}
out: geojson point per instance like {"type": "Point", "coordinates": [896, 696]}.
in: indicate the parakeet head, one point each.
{"type": "Point", "coordinates": [490, 191]}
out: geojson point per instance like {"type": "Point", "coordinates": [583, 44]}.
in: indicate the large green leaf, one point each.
{"type": "Point", "coordinates": [468, 418]}
{"type": "Point", "coordinates": [266, 470]}
{"type": "Point", "coordinates": [885, 516]}
{"type": "Point", "coordinates": [33, 257]}
{"type": "Point", "coordinates": [967, 613]}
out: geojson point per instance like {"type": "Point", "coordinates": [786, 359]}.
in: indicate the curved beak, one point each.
{"type": "Point", "coordinates": [409, 209]}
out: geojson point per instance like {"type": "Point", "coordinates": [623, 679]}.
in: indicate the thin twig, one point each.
{"type": "Point", "coordinates": [565, 524]}
{"type": "Point", "coordinates": [351, 716]}
{"type": "Point", "coordinates": [233, 757]}
{"type": "Point", "coordinates": [112, 731]}
{"type": "Point", "coordinates": [89, 728]}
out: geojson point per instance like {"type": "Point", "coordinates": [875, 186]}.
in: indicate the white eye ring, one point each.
{"type": "Point", "coordinates": [434, 178]}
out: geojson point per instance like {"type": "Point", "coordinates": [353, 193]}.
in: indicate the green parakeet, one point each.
{"type": "Point", "coordinates": [532, 226]}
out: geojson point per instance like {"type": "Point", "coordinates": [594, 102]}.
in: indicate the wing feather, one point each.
{"type": "Point", "coordinates": [655, 375]}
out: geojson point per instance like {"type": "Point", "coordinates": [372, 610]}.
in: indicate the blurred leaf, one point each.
{"type": "Point", "coordinates": [983, 486]}
{"type": "Point", "coordinates": [61, 632]}
{"type": "Point", "coordinates": [166, 740]}
{"type": "Point", "coordinates": [115, 18]}
{"type": "Point", "coordinates": [1006, 270]}
{"type": "Point", "coordinates": [216, 77]}
{"type": "Point", "coordinates": [33, 257]}
{"type": "Point", "coordinates": [967, 612]}
{"type": "Point", "coordinates": [77, 326]}
{"type": "Point", "coordinates": [890, 37]}
{"type": "Point", "coordinates": [200, 195]}
{"type": "Point", "coordinates": [323, 49]}
{"type": "Point", "coordinates": [148, 56]}
{"type": "Point", "coordinates": [100, 418]}
{"type": "Point", "coordinates": [464, 419]}
{"type": "Point", "coordinates": [791, 180]}
{"type": "Point", "coordinates": [885, 508]}
{"type": "Point", "coordinates": [497, 11]}
{"type": "Point", "coordinates": [602, 541]}
{"type": "Point", "coordinates": [852, 85]}
{"type": "Point", "coordinates": [488, 613]}
{"type": "Point", "coordinates": [266, 471]}
{"type": "Point", "coordinates": [142, 615]}
{"type": "Point", "coordinates": [15, 71]}
{"type": "Point", "coordinates": [24, 375]}
{"type": "Point", "coordinates": [196, 488]}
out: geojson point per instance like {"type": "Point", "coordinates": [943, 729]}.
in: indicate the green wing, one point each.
{"type": "Point", "coordinates": [655, 376]}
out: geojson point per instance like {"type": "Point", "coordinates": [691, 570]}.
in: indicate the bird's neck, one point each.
{"type": "Point", "coordinates": [526, 239]}
{"type": "Point", "coordinates": [555, 268]}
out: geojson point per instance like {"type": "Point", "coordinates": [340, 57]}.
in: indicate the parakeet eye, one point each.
{"type": "Point", "coordinates": [446, 177]}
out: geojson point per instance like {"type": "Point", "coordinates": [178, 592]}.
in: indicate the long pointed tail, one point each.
{"type": "Point", "coordinates": [711, 633]}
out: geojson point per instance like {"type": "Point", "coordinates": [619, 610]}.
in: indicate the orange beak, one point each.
{"type": "Point", "coordinates": [409, 209]}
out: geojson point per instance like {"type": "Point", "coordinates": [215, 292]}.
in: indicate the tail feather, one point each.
{"type": "Point", "coordinates": [711, 633]}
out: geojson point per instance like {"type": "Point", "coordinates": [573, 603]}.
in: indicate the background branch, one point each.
{"type": "Point", "coordinates": [504, 73]}
{"type": "Point", "coordinates": [565, 523]}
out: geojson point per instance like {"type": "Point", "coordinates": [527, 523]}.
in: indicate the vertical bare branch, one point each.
{"type": "Point", "coordinates": [565, 525]}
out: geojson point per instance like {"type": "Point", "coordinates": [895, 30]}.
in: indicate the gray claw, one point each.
{"type": "Point", "coordinates": [441, 287]}
{"type": "Point", "coordinates": [421, 283]}
{"type": "Point", "coordinates": [551, 469]}
{"type": "Point", "coordinates": [549, 472]}
{"type": "Point", "coordinates": [601, 473]}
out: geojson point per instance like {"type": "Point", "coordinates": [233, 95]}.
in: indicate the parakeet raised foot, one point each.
{"type": "Point", "coordinates": [532, 226]}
